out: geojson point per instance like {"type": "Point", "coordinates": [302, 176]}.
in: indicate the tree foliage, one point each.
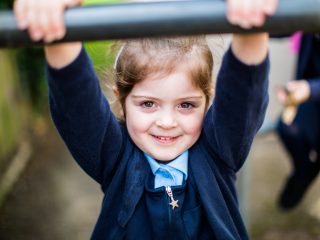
{"type": "Point", "coordinates": [6, 4]}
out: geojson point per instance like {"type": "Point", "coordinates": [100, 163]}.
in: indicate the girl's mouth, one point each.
{"type": "Point", "coordinates": [164, 139]}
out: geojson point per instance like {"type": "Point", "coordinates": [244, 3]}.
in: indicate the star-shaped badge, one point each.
{"type": "Point", "coordinates": [174, 204]}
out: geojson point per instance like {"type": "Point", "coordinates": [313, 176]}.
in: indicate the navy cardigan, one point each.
{"type": "Point", "coordinates": [308, 65]}
{"type": "Point", "coordinates": [103, 148]}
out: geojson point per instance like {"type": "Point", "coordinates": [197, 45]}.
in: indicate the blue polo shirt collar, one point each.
{"type": "Point", "coordinates": [179, 164]}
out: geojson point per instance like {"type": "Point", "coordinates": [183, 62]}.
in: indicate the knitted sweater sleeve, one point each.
{"type": "Point", "coordinates": [314, 84]}
{"type": "Point", "coordinates": [238, 109]}
{"type": "Point", "coordinates": [83, 117]}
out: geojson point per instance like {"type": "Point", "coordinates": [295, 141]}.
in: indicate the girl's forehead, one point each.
{"type": "Point", "coordinates": [175, 83]}
{"type": "Point", "coordinates": [161, 78]}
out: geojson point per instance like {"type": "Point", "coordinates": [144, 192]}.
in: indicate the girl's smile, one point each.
{"type": "Point", "coordinates": [164, 139]}
{"type": "Point", "coordinates": [164, 115]}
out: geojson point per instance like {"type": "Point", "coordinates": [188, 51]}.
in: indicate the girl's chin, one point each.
{"type": "Point", "coordinates": [164, 157]}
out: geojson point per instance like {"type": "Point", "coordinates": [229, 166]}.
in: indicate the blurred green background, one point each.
{"type": "Point", "coordinates": [24, 113]}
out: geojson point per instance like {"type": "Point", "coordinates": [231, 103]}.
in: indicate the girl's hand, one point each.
{"type": "Point", "coordinates": [250, 13]}
{"type": "Point", "coordinates": [250, 48]}
{"type": "Point", "coordinates": [44, 19]}
{"type": "Point", "coordinates": [299, 92]}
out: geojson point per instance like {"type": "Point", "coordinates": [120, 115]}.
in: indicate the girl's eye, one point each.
{"type": "Point", "coordinates": [148, 104]}
{"type": "Point", "coordinates": [186, 105]}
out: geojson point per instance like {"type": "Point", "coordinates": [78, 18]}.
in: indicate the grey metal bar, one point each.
{"type": "Point", "coordinates": [135, 20]}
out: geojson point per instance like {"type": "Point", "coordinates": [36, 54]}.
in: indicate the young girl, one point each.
{"type": "Point", "coordinates": [167, 169]}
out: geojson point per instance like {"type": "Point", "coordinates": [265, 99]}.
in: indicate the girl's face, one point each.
{"type": "Point", "coordinates": [164, 115]}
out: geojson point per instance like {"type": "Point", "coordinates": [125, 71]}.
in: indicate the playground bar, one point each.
{"type": "Point", "coordinates": [151, 19]}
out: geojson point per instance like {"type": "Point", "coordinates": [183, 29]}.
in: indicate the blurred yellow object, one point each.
{"type": "Point", "coordinates": [290, 109]}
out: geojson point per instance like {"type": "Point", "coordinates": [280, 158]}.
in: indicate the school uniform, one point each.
{"type": "Point", "coordinates": [132, 208]}
{"type": "Point", "coordinates": [301, 138]}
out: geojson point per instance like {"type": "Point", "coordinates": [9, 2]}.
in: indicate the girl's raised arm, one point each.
{"type": "Point", "coordinates": [44, 20]}
{"type": "Point", "coordinates": [241, 95]}
{"type": "Point", "coordinates": [78, 106]}
{"type": "Point", "coordinates": [251, 49]}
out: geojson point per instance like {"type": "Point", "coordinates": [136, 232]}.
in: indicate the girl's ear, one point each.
{"type": "Point", "coordinates": [117, 107]}
{"type": "Point", "coordinates": [115, 91]}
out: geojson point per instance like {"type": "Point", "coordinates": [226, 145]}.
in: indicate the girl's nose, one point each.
{"type": "Point", "coordinates": [167, 121]}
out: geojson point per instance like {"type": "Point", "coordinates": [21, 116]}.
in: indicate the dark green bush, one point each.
{"type": "Point", "coordinates": [31, 67]}
{"type": "Point", "coordinates": [6, 4]}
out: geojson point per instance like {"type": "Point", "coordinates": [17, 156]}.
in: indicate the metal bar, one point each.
{"type": "Point", "coordinates": [135, 20]}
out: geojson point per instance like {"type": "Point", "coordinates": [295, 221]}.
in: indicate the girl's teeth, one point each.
{"type": "Point", "coordinates": [164, 138]}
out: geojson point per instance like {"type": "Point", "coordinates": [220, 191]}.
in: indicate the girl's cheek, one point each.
{"type": "Point", "coordinates": [193, 125]}
{"type": "Point", "coordinates": [139, 123]}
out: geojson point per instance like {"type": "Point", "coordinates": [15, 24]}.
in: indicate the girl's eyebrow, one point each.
{"type": "Point", "coordinates": [144, 96]}
{"type": "Point", "coordinates": [191, 97]}
{"type": "Point", "coordinates": [181, 99]}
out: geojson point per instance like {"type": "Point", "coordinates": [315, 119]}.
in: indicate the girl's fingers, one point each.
{"type": "Point", "coordinates": [43, 19]}
{"type": "Point", "coordinates": [270, 7]}
{"type": "Point", "coordinates": [245, 10]}
{"type": "Point", "coordinates": [255, 14]}
{"type": "Point", "coordinates": [236, 12]}
{"type": "Point", "coordinates": [19, 9]}
{"type": "Point", "coordinates": [34, 19]}
{"type": "Point", "coordinates": [241, 12]}
{"type": "Point", "coordinates": [250, 13]}
{"type": "Point", "coordinates": [258, 17]}
{"type": "Point", "coordinates": [232, 11]}
{"type": "Point", "coordinates": [58, 24]}
{"type": "Point", "coordinates": [55, 27]}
